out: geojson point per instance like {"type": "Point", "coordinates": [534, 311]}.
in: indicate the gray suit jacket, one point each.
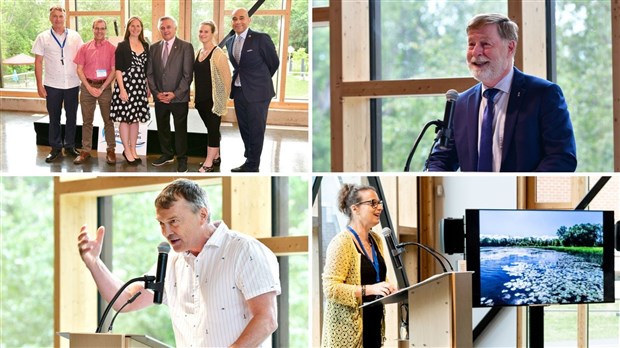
{"type": "Point", "coordinates": [177, 75]}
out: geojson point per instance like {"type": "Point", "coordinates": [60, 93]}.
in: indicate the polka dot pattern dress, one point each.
{"type": "Point", "coordinates": [136, 109]}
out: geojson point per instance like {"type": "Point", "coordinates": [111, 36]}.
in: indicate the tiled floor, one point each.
{"type": "Point", "coordinates": [286, 150]}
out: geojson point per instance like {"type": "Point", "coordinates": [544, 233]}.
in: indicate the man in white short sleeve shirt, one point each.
{"type": "Point", "coordinates": [55, 49]}
{"type": "Point", "coordinates": [221, 285]}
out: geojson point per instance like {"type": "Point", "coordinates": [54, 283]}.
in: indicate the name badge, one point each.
{"type": "Point", "coordinates": [102, 73]}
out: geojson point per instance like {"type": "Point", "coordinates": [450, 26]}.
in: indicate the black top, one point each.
{"type": "Point", "coordinates": [123, 57]}
{"type": "Point", "coordinates": [202, 81]}
{"type": "Point", "coordinates": [373, 315]}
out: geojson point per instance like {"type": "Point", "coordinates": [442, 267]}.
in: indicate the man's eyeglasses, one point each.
{"type": "Point", "coordinates": [373, 203]}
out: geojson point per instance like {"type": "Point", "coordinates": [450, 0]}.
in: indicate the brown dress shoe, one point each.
{"type": "Point", "coordinates": [110, 156]}
{"type": "Point", "coordinates": [82, 157]}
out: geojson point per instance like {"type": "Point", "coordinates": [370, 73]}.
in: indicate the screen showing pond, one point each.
{"type": "Point", "coordinates": [540, 257]}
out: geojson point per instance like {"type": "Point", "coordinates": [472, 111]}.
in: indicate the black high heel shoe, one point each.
{"type": "Point", "coordinates": [207, 169]}
{"type": "Point", "coordinates": [216, 162]}
{"type": "Point", "coordinates": [133, 163]}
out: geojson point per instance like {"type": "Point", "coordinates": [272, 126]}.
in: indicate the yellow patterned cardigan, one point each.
{"type": "Point", "coordinates": [342, 320]}
{"type": "Point", "coordinates": [221, 81]}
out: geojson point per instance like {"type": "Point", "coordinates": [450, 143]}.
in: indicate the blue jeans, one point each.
{"type": "Point", "coordinates": [55, 99]}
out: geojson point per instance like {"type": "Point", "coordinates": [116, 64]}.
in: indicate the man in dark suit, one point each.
{"type": "Point", "coordinates": [255, 60]}
{"type": "Point", "coordinates": [510, 122]}
{"type": "Point", "coordinates": [169, 73]}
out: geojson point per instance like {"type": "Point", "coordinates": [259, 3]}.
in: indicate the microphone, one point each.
{"type": "Point", "coordinates": [115, 27]}
{"type": "Point", "coordinates": [448, 116]}
{"type": "Point", "coordinates": [160, 275]}
{"type": "Point", "coordinates": [133, 298]}
{"type": "Point", "coordinates": [395, 251]}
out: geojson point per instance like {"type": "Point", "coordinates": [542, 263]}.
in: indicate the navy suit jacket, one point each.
{"type": "Point", "coordinates": [538, 133]}
{"type": "Point", "coordinates": [259, 61]}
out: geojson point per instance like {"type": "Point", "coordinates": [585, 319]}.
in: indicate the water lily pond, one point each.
{"type": "Point", "coordinates": [524, 276]}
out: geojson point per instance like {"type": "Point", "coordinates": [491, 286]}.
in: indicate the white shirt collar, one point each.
{"type": "Point", "coordinates": [243, 35]}
{"type": "Point", "coordinates": [504, 84]}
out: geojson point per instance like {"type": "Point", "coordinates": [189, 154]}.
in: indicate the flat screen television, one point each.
{"type": "Point", "coordinates": [540, 257]}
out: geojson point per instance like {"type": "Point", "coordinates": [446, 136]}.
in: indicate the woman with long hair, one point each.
{"type": "Point", "coordinates": [130, 104]}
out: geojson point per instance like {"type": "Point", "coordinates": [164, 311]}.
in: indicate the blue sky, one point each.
{"type": "Point", "coordinates": [539, 223]}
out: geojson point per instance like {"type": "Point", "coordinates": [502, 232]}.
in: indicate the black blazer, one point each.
{"type": "Point", "coordinates": [122, 55]}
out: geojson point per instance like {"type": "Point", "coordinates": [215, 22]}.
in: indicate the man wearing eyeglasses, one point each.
{"type": "Point", "coordinates": [95, 68]}
{"type": "Point", "coordinates": [55, 48]}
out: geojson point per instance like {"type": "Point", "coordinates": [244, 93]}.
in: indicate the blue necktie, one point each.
{"type": "Point", "coordinates": [485, 155]}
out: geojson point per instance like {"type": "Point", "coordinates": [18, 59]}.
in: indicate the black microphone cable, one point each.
{"type": "Point", "coordinates": [430, 251]}
{"type": "Point", "coordinates": [133, 298]}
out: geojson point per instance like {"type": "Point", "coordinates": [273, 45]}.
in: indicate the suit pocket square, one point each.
{"type": "Point", "coordinates": [250, 50]}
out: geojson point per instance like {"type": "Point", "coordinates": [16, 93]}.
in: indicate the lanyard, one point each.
{"type": "Point", "coordinates": [62, 47]}
{"type": "Point", "coordinates": [374, 261]}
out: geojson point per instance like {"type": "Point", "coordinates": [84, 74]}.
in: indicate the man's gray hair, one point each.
{"type": "Point", "coordinates": [161, 19]}
{"type": "Point", "coordinates": [507, 29]}
{"type": "Point", "coordinates": [195, 195]}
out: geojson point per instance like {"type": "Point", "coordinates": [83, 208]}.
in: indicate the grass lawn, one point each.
{"type": "Point", "coordinates": [296, 87]}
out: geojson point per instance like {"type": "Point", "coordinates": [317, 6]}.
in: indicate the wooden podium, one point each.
{"type": "Point", "coordinates": [440, 310]}
{"type": "Point", "coordinates": [111, 340]}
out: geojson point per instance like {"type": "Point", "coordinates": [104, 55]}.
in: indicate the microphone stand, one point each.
{"type": "Point", "coordinates": [133, 298]}
{"type": "Point", "coordinates": [437, 123]}
{"type": "Point", "coordinates": [430, 251]}
{"type": "Point", "coordinates": [149, 283]}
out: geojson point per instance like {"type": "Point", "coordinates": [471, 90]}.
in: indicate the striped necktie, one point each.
{"type": "Point", "coordinates": [237, 48]}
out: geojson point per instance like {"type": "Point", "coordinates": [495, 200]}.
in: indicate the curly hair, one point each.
{"type": "Point", "coordinates": [348, 195]}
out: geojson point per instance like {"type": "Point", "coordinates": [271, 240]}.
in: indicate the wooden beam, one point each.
{"type": "Point", "coordinates": [515, 13]}
{"type": "Point", "coordinates": [75, 292]}
{"type": "Point", "coordinates": [288, 245]}
{"type": "Point", "coordinates": [246, 204]}
{"type": "Point", "coordinates": [427, 229]}
{"type": "Point", "coordinates": [284, 56]}
{"type": "Point", "coordinates": [335, 85]}
{"type": "Point", "coordinates": [112, 185]}
{"type": "Point", "coordinates": [355, 112]}
{"type": "Point", "coordinates": [158, 8]}
{"type": "Point", "coordinates": [320, 15]}
{"type": "Point", "coordinates": [533, 38]}
{"type": "Point", "coordinates": [386, 88]}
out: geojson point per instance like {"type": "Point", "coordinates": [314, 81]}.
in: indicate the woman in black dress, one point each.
{"type": "Point", "coordinates": [212, 81]}
{"type": "Point", "coordinates": [130, 104]}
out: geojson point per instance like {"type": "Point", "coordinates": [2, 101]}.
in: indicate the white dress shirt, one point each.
{"type": "Point", "coordinates": [501, 105]}
{"type": "Point", "coordinates": [207, 294]}
{"type": "Point", "coordinates": [57, 74]}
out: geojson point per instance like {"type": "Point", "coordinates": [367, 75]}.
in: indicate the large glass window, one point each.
{"type": "Point", "coordinates": [583, 53]}
{"type": "Point", "coordinates": [27, 262]}
{"type": "Point", "coordinates": [402, 121]}
{"type": "Point", "coordinates": [144, 10]}
{"type": "Point", "coordinates": [425, 39]}
{"type": "Point", "coordinates": [321, 122]}
{"type": "Point", "coordinates": [20, 23]}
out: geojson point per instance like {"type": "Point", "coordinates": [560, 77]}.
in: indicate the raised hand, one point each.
{"type": "Point", "coordinates": [90, 249]}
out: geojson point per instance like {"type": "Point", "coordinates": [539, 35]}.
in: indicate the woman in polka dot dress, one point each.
{"type": "Point", "coordinates": [130, 98]}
